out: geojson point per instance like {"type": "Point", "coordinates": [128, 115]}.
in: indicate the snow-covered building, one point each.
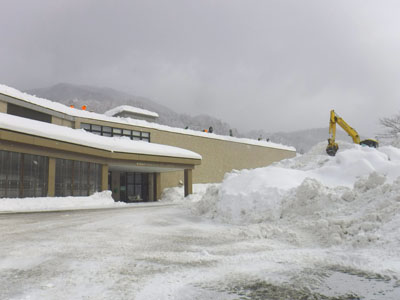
{"type": "Point", "coordinates": [127, 111]}
{"type": "Point", "coordinates": [49, 149]}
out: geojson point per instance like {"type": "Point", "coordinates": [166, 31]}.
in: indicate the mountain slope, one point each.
{"type": "Point", "coordinates": [102, 99]}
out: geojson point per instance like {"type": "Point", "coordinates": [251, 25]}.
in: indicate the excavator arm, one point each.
{"type": "Point", "coordinates": [333, 147]}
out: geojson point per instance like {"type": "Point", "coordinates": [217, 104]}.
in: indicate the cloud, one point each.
{"type": "Point", "coordinates": [274, 65]}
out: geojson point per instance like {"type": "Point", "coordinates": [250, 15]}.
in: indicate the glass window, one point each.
{"type": "Point", "coordinates": [23, 175]}
{"type": "Point", "coordinates": [35, 175]}
{"type": "Point", "coordinates": [138, 178]}
{"type": "Point", "coordinates": [77, 178]}
{"type": "Point", "coordinates": [126, 132]}
{"type": "Point", "coordinates": [98, 177]}
{"type": "Point", "coordinates": [68, 178]}
{"type": "Point", "coordinates": [14, 178]}
{"type": "Point", "coordinates": [85, 126]}
{"type": "Point", "coordinates": [96, 128]}
{"type": "Point", "coordinates": [94, 178]}
{"type": "Point", "coordinates": [122, 184]}
{"type": "Point", "coordinates": [136, 133]}
{"type": "Point", "coordinates": [59, 180]}
{"type": "Point", "coordinates": [107, 131]}
{"type": "Point", "coordinates": [27, 180]}
{"type": "Point", "coordinates": [63, 177]}
{"type": "Point", "coordinates": [138, 192]}
{"type": "Point", "coordinates": [4, 172]}
{"type": "Point", "coordinates": [117, 131]}
{"type": "Point", "coordinates": [43, 174]}
{"type": "Point", "coordinates": [146, 136]}
{"type": "Point", "coordinates": [85, 179]}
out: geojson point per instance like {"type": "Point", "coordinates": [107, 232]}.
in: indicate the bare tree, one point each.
{"type": "Point", "coordinates": [392, 126]}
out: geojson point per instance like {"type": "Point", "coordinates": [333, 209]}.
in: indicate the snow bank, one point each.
{"type": "Point", "coordinates": [97, 200]}
{"type": "Point", "coordinates": [351, 198]}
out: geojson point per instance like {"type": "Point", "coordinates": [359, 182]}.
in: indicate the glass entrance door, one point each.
{"type": "Point", "coordinates": [134, 187]}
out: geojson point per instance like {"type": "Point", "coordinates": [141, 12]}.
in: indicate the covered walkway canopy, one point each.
{"type": "Point", "coordinates": [75, 160]}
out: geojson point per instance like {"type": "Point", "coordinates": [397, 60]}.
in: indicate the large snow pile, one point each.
{"type": "Point", "coordinates": [352, 198]}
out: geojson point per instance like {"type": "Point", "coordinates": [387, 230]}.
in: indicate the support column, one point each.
{"type": "Point", "coordinates": [51, 182]}
{"type": "Point", "coordinates": [3, 107]}
{"type": "Point", "coordinates": [188, 182]}
{"type": "Point", "coordinates": [77, 124]}
{"type": "Point", "coordinates": [158, 186]}
{"type": "Point", "coordinates": [104, 177]}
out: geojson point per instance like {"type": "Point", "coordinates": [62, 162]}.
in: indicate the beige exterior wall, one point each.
{"type": "Point", "coordinates": [218, 156]}
{"type": "Point", "coordinates": [104, 177]}
{"type": "Point", "coordinates": [62, 122]}
{"type": "Point", "coordinates": [3, 107]}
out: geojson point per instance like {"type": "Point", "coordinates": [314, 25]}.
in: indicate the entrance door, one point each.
{"type": "Point", "coordinates": [134, 187]}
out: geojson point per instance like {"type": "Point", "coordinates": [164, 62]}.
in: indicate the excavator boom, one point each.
{"type": "Point", "coordinates": [333, 147]}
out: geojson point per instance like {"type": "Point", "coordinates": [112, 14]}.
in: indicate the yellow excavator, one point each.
{"type": "Point", "coordinates": [333, 147]}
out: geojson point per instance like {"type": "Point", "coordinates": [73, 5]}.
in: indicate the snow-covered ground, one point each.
{"type": "Point", "coordinates": [311, 227]}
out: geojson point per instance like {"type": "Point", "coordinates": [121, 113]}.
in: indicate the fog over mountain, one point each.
{"type": "Point", "coordinates": [302, 140]}
{"type": "Point", "coordinates": [100, 99]}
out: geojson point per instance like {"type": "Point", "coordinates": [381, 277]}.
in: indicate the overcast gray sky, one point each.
{"type": "Point", "coordinates": [272, 65]}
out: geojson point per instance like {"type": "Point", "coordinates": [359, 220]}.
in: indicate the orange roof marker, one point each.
{"type": "Point", "coordinates": [83, 107]}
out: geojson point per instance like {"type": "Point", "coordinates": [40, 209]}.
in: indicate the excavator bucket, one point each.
{"type": "Point", "coordinates": [332, 149]}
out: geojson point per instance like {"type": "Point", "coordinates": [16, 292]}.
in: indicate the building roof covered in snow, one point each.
{"type": "Point", "coordinates": [84, 138]}
{"type": "Point", "coordinates": [68, 112]}
{"type": "Point", "coordinates": [130, 109]}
